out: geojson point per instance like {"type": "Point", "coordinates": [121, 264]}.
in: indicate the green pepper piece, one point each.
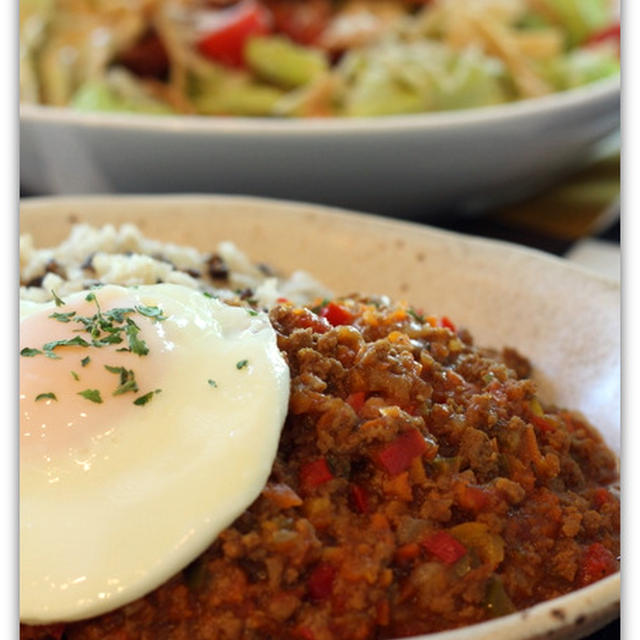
{"type": "Point", "coordinates": [497, 601]}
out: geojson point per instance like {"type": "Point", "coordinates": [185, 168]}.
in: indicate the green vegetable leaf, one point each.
{"type": "Point", "coordinates": [242, 364]}
{"type": "Point", "coordinates": [75, 375]}
{"type": "Point", "coordinates": [213, 383]}
{"type": "Point", "coordinates": [85, 361]}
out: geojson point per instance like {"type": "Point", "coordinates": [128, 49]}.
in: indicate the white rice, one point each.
{"type": "Point", "coordinates": [110, 255]}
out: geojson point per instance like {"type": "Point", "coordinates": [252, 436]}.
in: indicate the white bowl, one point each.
{"type": "Point", "coordinates": [416, 165]}
{"type": "Point", "coordinates": [561, 316]}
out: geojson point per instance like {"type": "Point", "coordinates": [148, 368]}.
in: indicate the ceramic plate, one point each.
{"type": "Point", "coordinates": [560, 316]}
{"type": "Point", "coordinates": [415, 165]}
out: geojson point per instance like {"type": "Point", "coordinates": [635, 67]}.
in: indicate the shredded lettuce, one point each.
{"type": "Point", "coordinates": [412, 77]}
{"type": "Point", "coordinates": [580, 18]}
{"type": "Point", "coordinates": [118, 91]}
{"type": "Point", "coordinates": [580, 67]}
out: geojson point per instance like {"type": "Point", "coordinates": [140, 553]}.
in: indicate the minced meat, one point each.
{"type": "Point", "coordinates": [419, 485]}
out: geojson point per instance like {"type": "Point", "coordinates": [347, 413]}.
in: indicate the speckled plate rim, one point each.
{"type": "Point", "coordinates": [566, 101]}
{"type": "Point", "coordinates": [566, 618]}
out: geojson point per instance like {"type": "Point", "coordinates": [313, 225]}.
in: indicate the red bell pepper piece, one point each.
{"type": "Point", "coordinates": [356, 400]}
{"type": "Point", "coordinates": [359, 498]}
{"type": "Point", "coordinates": [597, 563]}
{"type": "Point", "coordinates": [542, 423]}
{"type": "Point", "coordinates": [226, 42]}
{"type": "Point", "coordinates": [601, 496]}
{"type": "Point", "coordinates": [336, 315]}
{"type": "Point", "coordinates": [320, 583]}
{"type": "Point", "coordinates": [472, 498]}
{"type": "Point", "coordinates": [407, 552]}
{"type": "Point", "coordinates": [612, 32]}
{"type": "Point", "coordinates": [397, 456]}
{"type": "Point", "coordinates": [444, 547]}
{"type": "Point", "coordinates": [313, 474]}
{"type": "Point", "coordinates": [445, 322]}
{"type": "Point", "coordinates": [304, 633]}
{"type": "Point", "coordinates": [307, 319]}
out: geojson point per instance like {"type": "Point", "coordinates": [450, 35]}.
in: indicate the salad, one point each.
{"type": "Point", "coordinates": [310, 58]}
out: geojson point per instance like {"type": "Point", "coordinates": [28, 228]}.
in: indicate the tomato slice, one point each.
{"type": "Point", "coordinates": [225, 43]}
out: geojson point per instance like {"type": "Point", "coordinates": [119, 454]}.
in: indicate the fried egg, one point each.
{"type": "Point", "coordinates": [149, 420]}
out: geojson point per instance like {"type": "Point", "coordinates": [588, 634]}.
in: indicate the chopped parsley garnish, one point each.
{"type": "Point", "coordinates": [127, 380]}
{"type": "Point", "coordinates": [76, 341]}
{"type": "Point", "coordinates": [212, 383]}
{"type": "Point", "coordinates": [118, 314]}
{"type": "Point", "coordinates": [63, 317]}
{"type": "Point", "coordinates": [206, 294]}
{"type": "Point", "coordinates": [91, 394]}
{"type": "Point", "coordinates": [135, 344]}
{"type": "Point", "coordinates": [28, 352]}
{"type": "Point", "coordinates": [142, 400]}
{"type": "Point", "coordinates": [46, 396]}
{"type": "Point", "coordinates": [110, 338]}
{"type": "Point", "coordinates": [59, 302]}
{"type": "Point", "coordinates": [104, 328]}
{"type": "Point", "coordinates": [415, 315]}
{"type": "Point", "coordinates": [242, 364]}
{"type": "Point", "coordinates": [252, 312]}
{"type": "Point", "coordinates": [151, 312]}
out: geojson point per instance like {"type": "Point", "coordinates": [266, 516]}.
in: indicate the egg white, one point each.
{"type": "Point", "coordinates": [105, 522]}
